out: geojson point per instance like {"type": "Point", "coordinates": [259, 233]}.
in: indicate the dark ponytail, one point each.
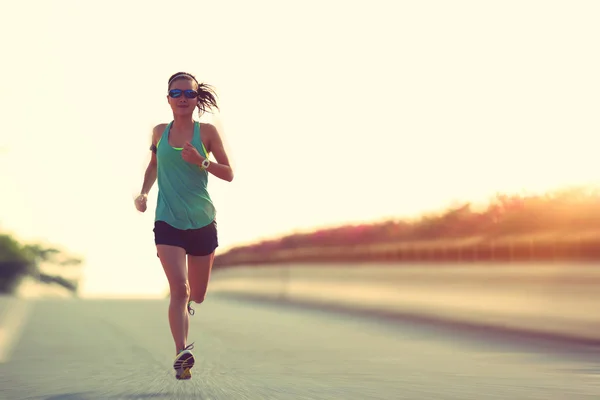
{"type": "Point", "coordinates": [206, 94]}
{"type": "Point", "coordinates": [206, 98]}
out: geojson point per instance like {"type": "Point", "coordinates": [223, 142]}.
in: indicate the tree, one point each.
{"type": "Point", "coordinates": [51, 255]}
{"type": "Point", "coordinates": [18, 261]}
{"type": "Point", "coordinates": [15, 263]}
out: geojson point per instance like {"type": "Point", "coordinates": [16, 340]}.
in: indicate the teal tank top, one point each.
{"type": "Point", "coordinates": [183, 200]}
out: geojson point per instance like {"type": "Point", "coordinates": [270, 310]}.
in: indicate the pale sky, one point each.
{"type": "Point", "coordinates": [333, 111]}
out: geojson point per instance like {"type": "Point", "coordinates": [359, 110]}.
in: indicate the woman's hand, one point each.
{"type": "Point", "coordinates": [140, 202]}
{"type": "Point", "coordinates": [191, 155]}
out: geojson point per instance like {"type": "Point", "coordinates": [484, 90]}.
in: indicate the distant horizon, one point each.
{"type": "Point", "coordinates": [33, 289]}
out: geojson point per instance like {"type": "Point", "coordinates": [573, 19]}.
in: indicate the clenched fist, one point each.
{"type": "Point", "coordinates": [191, 155]}
{"type": "Point", "coordinates": [140, 202]}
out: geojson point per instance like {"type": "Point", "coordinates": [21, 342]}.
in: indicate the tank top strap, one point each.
{"type": "Point", "coordinates": [198, 139]}
{"type": "Point", "coordinates": [165, 133]}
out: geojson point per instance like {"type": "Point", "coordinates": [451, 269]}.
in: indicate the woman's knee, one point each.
{"type": "Point", "coordinates": [180, 291]}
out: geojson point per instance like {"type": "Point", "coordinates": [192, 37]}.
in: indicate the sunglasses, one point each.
{"type": "Point", "coordinates": [190, 94]}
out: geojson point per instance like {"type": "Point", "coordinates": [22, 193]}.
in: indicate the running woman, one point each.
{"type": "Point", "coordinates": [185, 224]}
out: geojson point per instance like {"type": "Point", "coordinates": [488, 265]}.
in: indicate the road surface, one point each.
{"type": "Point", "coordinates": [121, 349]}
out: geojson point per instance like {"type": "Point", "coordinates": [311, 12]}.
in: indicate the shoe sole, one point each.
{"type": "Point", "coordinates": [183, 366]}
{"type": "Point", "coordinates": [184, 375]}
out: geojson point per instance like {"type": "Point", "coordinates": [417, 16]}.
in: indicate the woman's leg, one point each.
{"type": "Point", "coordinates": [172, 259]}
{"type": "Point", "coordinates": [199, 268]}
{"type": "Point", "coordinates": [202, 244]}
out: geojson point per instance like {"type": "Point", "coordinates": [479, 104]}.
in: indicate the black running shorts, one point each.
{"type": "Point", "coordinates": [195, 242]}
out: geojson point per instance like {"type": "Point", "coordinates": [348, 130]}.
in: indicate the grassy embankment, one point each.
{"type": "Point", "coordinates": [563, 225]}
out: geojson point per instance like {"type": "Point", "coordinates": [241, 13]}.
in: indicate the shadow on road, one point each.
{"type": "Point", "coordinates": [90, 396]}
{"type": "Point", "coordinates": [457, 329]}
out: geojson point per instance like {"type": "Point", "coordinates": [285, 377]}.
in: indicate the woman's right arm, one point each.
{"type": "Point", "coordinates": [150, 174]}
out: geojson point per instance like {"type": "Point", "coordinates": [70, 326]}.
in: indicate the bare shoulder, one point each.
{"type": "Point", "coordinates": [210, 136]}
{"type": "Point", "coordinates": [157, 132]}
{"type": "Point", "coordinates": [209, 131]}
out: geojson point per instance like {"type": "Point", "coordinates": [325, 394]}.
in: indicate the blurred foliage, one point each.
{"type": "Point", "coordinates": [568, 210]}
{"type": "Point", "coordinates": [19, 260]}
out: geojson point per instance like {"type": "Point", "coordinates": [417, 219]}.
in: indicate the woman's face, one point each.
{"type": "Point", "coordinates": [182, 104]}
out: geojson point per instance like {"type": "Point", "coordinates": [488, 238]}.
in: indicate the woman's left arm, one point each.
{"type": "Point", "coordinates": [221, 169]}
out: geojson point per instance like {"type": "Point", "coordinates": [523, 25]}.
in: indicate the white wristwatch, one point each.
{"type": "Point", "coordinates": [205, 163]}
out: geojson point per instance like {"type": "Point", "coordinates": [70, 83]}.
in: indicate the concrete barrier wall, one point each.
{"type": "Point", "coordinates": [555, 299]}
{"type": "Point", "coordinates": [540, 247]}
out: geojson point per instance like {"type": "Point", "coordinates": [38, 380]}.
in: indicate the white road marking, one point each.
{"type": "Point", "coordinates": [11, 326]}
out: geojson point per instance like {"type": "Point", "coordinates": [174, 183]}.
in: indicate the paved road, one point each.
{"type": "Point", "coordinates": [116, 349]}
